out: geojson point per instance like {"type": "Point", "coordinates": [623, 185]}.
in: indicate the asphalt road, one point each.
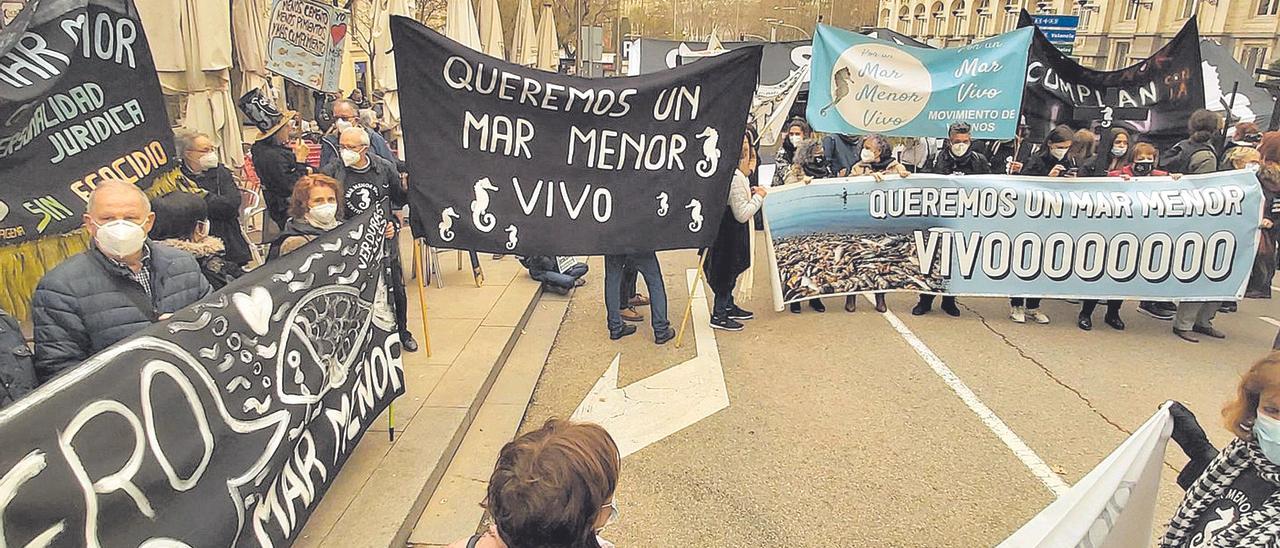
{"type": "Point", "coordinates": [839, 433]}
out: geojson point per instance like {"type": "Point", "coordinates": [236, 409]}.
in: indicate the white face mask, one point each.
{"type": "Point", "coordinates": [1119, 151]}
{"type": "Point", "coordinates": [342, 124]}
{"type": "Point", "coordinates": [1266, 431]}
{"type": "Point", "coordinates": [1252, 166]}
{"type": "Point", "coordinates": [350, 157]}
{"type": "Point", "coordinates": [868, 156]}
{"type": "Point", "coordinates": [959, 149]}
{"type": "Point", "coordinates": [324, 216]}
{"type": "Point", "coordinates": [796, 140]}
{"type": "Point", "coordinates": [209, 160]}
{"type": "Point", "coordinates": [120, 238]}
{"type": "Point", "coordinates": [1058, 153]}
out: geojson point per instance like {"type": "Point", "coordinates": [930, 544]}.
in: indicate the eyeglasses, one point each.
{"type": "Point", "coordinates": [613, 512]}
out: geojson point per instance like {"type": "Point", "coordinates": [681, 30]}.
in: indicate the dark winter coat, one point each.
{"type": "Point", "coordinates": [365, 189]}
{"type": "Point", "coordinates": [1000, 153]}
{"type": "Point", "coordinates": [79, 307]}
{"type": "Point", "coordinates": [17, 374]}
{"type": "Point", "coordinates": [1190, 157]}
{"type": "Point", "coordinates": [223, 200]}
{"type": "Point", "coordinates": [843, 151]}
{"type": "Point", "coordinates": [278, 170]}
{"type": "Point", "coordinates": [210, 253]}
{"type": "Point", "coordinates": [296, 233]}
{"type": "Point", "coordinates": [972, 163]}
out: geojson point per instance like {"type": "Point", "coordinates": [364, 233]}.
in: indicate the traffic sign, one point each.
{"type": "Point", "coordinates": [1051, 21]}
{"type": "Point", "coordinates": [1057, 36]}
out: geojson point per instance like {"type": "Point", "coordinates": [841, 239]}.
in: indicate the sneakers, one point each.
{"type": "Point", "coordinates": [726, 324]}
{"type": "Point", "coordinates": [626, 330]}
{"type": "Point", "coordinates": [1035, 315]}
{"type": "Point", "coordinates": [1018, 314]}
{"type": "Point", "coordinates": [629, 314]}
{"type": "Point", "coordinates": [663, 337]}
{"type": "Point", "coordinates": [1155, 311]}
{"type": "Point", "coordinates": [1227, 308]}
{"type": "Point", "coordinates": [738, 313]}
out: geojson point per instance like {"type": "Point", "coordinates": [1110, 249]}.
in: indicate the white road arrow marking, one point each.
{"type": "Point", "coordinates": [658, 406]}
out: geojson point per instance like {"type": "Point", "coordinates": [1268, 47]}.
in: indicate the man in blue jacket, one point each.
{"type": "Point", "coordinates": [117, 287]}
{"type": "Point", "coordinates": [346, 115]}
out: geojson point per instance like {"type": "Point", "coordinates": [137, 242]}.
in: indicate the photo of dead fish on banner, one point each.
{"type": "Point", "coordinates": [207, 302]}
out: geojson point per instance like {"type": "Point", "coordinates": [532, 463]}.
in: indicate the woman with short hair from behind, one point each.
{"type": "Point", "coordinates": [552, 488]}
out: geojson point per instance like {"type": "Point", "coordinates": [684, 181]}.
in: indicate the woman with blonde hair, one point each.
{"type": "Point", "coordinates": [552, 488]}
{"type": "Point", "coordinates": [1233, 497]}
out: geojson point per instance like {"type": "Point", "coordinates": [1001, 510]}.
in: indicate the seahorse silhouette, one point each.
{"type": "Point", "coordinates": [841, 82]}
{"type": "Point", "coordinates": [662, 204]}
{"type": "Point", "coordinates": [446, 223]}
{"type": "Point", "coordinates": [711, 154]}
{"type": "Point", "coordinates": [483, 220]}
{"type": "Point", "coordinates": [696, 224]}
{"type": "Point", "coordinates": [512, 239]}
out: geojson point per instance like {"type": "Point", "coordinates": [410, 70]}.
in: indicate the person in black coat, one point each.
{"type": "Point", "coordinates": [279, 157]}
{"type": "Point", "coordinates": [17, 374]}
{"type": "Point", "coordinates": [200, 164]}
{"type": "Point", "coordinates": [957, 157]}
{"type": "Point", "coordinates": [1009, 157]}
{"type": "Point", "coordinates": [1052, 161]}
{"type": "Point", "coordinates": [366, 180]}
{"type": "Point", "coordinates": [182, 222]}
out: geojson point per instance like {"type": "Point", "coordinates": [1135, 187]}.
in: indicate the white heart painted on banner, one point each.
{"type": "Point", "coordinates": [255, 307]}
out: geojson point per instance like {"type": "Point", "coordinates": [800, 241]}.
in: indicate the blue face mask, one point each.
{"type": "Point", "coordinates": [1266, 431]}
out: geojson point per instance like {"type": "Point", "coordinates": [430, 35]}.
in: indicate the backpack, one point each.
{"type": "Point", "coordinates": [17, 373]}
{"type": "Point", "coordinates": [1178, 158]}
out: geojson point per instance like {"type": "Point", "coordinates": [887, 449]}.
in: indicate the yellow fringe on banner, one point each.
{"type": "Point", "coordinates": [22, 265]}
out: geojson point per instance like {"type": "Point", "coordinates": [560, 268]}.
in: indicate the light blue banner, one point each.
{"type": "Point", "coordinates": [861, 85]}
{"type": "Point", "coordinates": [1159, 239]}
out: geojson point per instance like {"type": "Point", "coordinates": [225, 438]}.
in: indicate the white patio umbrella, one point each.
{"type": "Point", "coordinates": [249, 32]}
{"type": "Point", "coordinates": [713, 43]}
{"type": "Point", "coordinates": [491, 29]}
{"type": "Point", "coordinates": [548, 42]}
{"type": "Point", "coordinates": [524, 45]}
{"type": "Point", "coordinates": [460, 24]}
{"type": "Point", "coordinates": [384, 66]}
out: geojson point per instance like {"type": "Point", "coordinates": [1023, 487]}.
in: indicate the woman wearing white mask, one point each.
{"type": "Point", "coordinates": [1233, 497]}
{"type": "Point", "coordinates": [314, 208]}
{"type": "Point", "coordinates": [200, 164]}
{"type": "Point", "coordinates": [875, 159]}
{"type": "Point", "coordinates": [796, 133]}
{"type": "Point", "coordinates": [1114, 151]}
{"type": "Point", "coordinates": [1053, 161]}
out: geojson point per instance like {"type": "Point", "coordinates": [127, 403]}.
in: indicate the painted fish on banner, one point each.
{"type": "Point", "coordinates": [223, 425]}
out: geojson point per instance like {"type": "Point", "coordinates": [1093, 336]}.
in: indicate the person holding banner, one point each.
{"type": "Point", "coordinates": [1196, 155]}
{"type": "Point", "coordinates": [1054, 160]}
{"type": "Point", "coordinates": [956, 158]}
{"type": "Point", "coordinates": [1009, 157]}
{"type": "Point", "coordinates": [314, 208]}
{"type": "Point", "coordinates": [1083, 153]}
{"type": "Point", "coordinates": [1264, 265]}
{"type": "Point", "coordinates": [876, 160]}
{"type": "Point", "coordinates": [730, 255]}
{"type": "Point", "coordinates": [1115, 141]}
{"type": "Point", "coordinates": [807, 163]}
{"type": "Point", "coordinates": [797, 133]}
{"type": "Point", "coordinates": [1234, 500]}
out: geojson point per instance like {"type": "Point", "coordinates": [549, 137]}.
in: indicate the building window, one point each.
{"type": "Point", "coordinates": [1268, 7]}
{"type": "Point", "coordinates": [885, 20]}
{"type": "Point", "coordinates": [1011, 8]}
{"type": "Point", "coordinates": [1187, 9]}
{"type": "Point", "coordinates": [1086, 15]}
{"type": "Point", "coordinates": [984, 18]}
{"type": "Point", "coordinates": [1120, 56]}
{"type": "Point", "coordinates": [920, 21]}
{"type": "Point", "coordinates": [939, 19]}
{"type": "Point", "coordinates": [1253, 57]}
{"type": "Point", "coordinates": [957, 18]}
{"type": "Point", "coordinates": [904, 16]}
{"type": "Point", "coordinates": [1131, 9]}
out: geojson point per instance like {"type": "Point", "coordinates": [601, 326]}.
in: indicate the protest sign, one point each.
{"type": "Point", "coordinates": [1153, 97]}
{"type": "Point", "coordinates": [1114, 505]}
{"type": "Point", "coordinates": [863, 85]}
{"type": "Point", "coordinates": [304, 42]}
{"type": "Point", "coordinates": [79, 103]}
{"type": "Point", "coordinates": [778, 61]}
{"type": "Point", "coordinates": [1161, 239]}
{"type": "Point", "coordinates": [514, 160]}
{"type": "Point", "coordinates": [221, 426]}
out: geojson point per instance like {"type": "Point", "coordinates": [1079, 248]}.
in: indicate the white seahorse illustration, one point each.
{"type": "Point", "coordinates": [696, 224]}
{"type": "Point", "coordinates": [446, 223]}
{"type": "Point", "coordinates": [662, 204]}
{"type": "Point", "coordinates": [483, 220]}
{"type": "Point", "coordinates": [711, 154]}
{"type": "Point", "coordinates": [512, 239]}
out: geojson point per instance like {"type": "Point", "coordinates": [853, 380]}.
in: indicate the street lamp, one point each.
{"type": "Point", "coordinates": [780, 23]}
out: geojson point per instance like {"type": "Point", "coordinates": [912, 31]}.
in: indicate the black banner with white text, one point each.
{"type": "Point", "coordinates": [508, 159]}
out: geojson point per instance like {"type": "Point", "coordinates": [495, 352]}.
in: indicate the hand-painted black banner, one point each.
{"type": "Point", "coordinates": [222, 426]}
{"type": "Point", "coordinates": [1153, 97]}
{"type": "Point", "coordinates": [79, 102]}
{"type": "Point", "coordinates": [508, 159]}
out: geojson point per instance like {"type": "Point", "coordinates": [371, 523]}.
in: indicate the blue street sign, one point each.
{"type": "Point", "coordinates": [1049, 21]}
{"type": "Point", "coordinates": [1060, 36]}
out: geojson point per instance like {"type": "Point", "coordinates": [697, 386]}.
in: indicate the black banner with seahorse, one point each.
{"type": "Point", "coordinates": [507, 159]}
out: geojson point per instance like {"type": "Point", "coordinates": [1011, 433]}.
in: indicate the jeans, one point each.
{"type": "Point", "coordinates": [565, 280]}
{"type": "Point", "coordinates": [1195, 315]}
{"type": "Point", "coordinates": [395, 286]}
{"type": "Point", "coordinates": [647, 265]}
{"type": "Point", "coordinates": [630, 279]}
{"type": "Point", "coordinates": [1032, 303]}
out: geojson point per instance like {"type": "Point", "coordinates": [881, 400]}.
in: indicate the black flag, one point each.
{"type": "Point", "coordinates": [508, 159]}
{"type": "Point", "coordinates": [221, 426]}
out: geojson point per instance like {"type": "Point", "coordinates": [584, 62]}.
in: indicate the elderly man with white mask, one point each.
{"type": "Point", "coordinates": [117, 287]}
